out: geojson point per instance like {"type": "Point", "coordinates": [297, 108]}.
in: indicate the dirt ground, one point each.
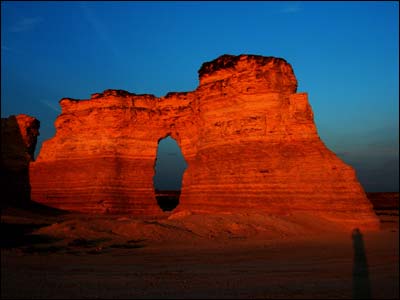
{"type": "Point", "coordinates": [74, 256]}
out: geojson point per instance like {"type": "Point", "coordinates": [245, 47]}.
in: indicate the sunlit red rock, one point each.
{"type": "Point", "coordinates": [248, 137]}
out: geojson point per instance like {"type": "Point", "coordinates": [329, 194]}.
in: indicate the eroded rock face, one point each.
{"type": "Point", "coordinates": [248, 138]}
{"type": "Point", "coordinates": [18, 141]}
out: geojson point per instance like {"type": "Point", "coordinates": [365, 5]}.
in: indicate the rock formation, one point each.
{"type": "Point", "coordinates": [18, 141]}
{"type": "Point", "coordinates": [248, 138]}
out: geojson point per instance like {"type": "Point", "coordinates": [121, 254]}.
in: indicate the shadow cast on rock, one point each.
{"type": "Point", "coordinates": [20, 235]}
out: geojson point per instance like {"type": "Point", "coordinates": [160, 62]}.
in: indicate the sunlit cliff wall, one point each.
{"type": "Point", "coordinates": [248, 137]}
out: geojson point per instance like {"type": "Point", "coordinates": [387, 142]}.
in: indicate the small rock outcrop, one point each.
{"type": "Point", "coordinates": [18, 141]}
{"type": "Point", "coordinates": [248, 137]}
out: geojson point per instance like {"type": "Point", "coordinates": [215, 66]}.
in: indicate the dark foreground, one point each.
{"type": "Point", "coordinates": [294, 269]}
{"type": "Point", "coordinates": [336, 266]}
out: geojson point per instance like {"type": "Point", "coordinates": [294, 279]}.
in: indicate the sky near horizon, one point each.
{"type": "Point", "coordinates": [345, 55]}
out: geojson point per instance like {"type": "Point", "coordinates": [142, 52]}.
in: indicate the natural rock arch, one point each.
{"type": "Point", "coordinates": [169, 168]}
{"type": "Point", "coordinates": [248, 137]}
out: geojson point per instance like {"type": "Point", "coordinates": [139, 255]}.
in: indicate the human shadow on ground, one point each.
{"type": "Point", "coordinates": [361, 281]}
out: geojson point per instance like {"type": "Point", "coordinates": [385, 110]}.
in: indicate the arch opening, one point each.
{"type": "Point", "coordinates": [169, 168]}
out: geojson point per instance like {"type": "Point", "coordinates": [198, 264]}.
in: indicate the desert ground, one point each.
{"type": "Point", "coordinates": [47, 253]}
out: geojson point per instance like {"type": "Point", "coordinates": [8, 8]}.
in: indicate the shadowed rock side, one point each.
{"type": "Point", "coordinates": [18, 141]}
{"type": "Point", "coordinates": [248, 138]}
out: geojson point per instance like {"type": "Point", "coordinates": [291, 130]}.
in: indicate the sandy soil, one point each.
{"type": "Point", "coordinates": [194, 256]}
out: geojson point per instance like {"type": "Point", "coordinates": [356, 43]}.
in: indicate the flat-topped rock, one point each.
{"type": "Point", "coordinates": [248, 137]}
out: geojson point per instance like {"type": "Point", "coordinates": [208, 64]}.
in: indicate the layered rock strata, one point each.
{"type": "Point", "coordinates": [18, 141]}
{"type": "Point", "coordinates": [248, 137]}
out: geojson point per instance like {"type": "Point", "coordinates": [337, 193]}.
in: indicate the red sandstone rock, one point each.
{"type": "Point", "coordinates": [18, 141]}
{"type": "Point", "coordinates": [248, 138]}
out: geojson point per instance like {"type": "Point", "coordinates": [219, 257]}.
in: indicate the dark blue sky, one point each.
{"type": "Point", "coordinates": [344, 54]}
